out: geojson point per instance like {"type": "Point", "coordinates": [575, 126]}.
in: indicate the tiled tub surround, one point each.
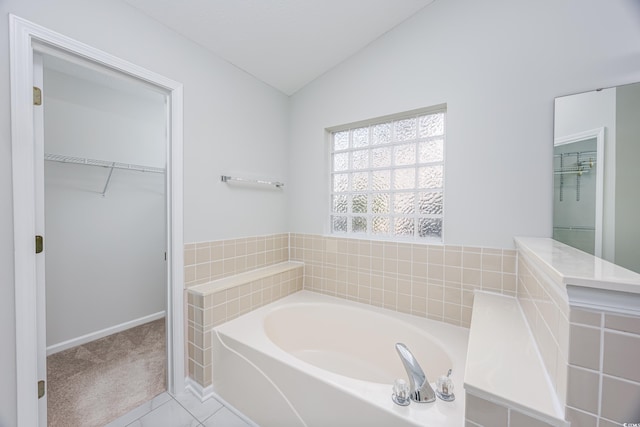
{"type": "Point", "coordinates": [602, 333]}
{"type": "Point", "coordinates": [207, 261]}
{"type": "Point", "coordinates": [604, 369]}
{"type": "Point", "coordinates": [546, 308]}
{"type": "Point", "coordinates": [434, 281]}
{"type": "Point", "coordinates": [215, 302]}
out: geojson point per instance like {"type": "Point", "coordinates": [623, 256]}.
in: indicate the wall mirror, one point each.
{"type": "Point", "coordinates": [596, 169]}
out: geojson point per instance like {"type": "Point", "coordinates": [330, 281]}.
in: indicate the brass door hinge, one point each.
{"type": "Point", "coordinates": [39, 244]}
{"type": "Point", "coordinates": [40, 389]}
{"type": "Point", "coordinates": [37, 96]}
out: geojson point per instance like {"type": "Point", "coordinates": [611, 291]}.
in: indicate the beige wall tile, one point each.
{"type": "Point", "coordinates": [471, 276]}
{"type": "Point", "coordinates": [390, 251]}
{"type": "Point", "coordinates": [620, 400]}
{"type": "Point", "coordinates": [582, 389]}
{"type": "Point", "coordinates": [364, 293]}
{"type": "Point", "coordinates": [471, 259]}
{"type": "Point", "coordinates": [189, 256]}
{"type": "Point", "coordinates": [606, 423]}
{"type": "Point", "coordinates": [419, 270]}
{"type": "Point", "coordinates": [404, 303]}
{"type": "Point", "coordinates": [419, 288]}
{"type": "Point", "coordinates": [452, 312]}
{"type": "Point", "coordinates": [453, 295]}
{"type": "Point", "coordinates": [621, 356]}
{"type": "Point", "coordinates": [622, 323]}
{"type": "Point", "coordinates": [404, 267]}
{"type": "Point", "coordinates": [491, 280]}
{"type": "Point", "coordinates": [435, 293]}
{"type": "Point", "coordinates": [436, 255]}
{"type": "Point", "coordinates": [465, 319]}
{"type": "Point", "coordinates": [419, 306]}
{"type": "Point", "coordinates": [189, 274]}
{"type": "Point", "coordinates": [435, 272]}
{"type": "Point", "coordinates": [510, 284]}
{"type": "Point", "coordinates": [405, 252]}
{"type": "Point", "coordinates": [219, 298]}
{"type": "Point", "coordinates": [404, 286]}
{"type": "Point", "coordinates": [584, 347]}
{"type": "Point", "coordinates": [203, 271]}
{"type": "Point", "coordinates": [580, 418]}
{"type": "Point", "coordinates": [435, 309]}
{"type": "Point", "coordinates": [420, 254]}
{"type": "Point", "coordinates": [377, 297]}
{"type": "Point", "coordinates": [491, 262]}
{"type": "Point", "coordinates": [452, 257]}
{"type": "Point", "coordinates": [377, 248]}
{"type": "Point", "coordinates": [229, 249]}
{"type": "Point", "coordinates": [518, 419]}
{"type": "Point", "coordinates": [484, 412]}
{"type": "Point", "coordinates": [467, 298]}
{"type": "Point", "coordinates": [509, 263]}
{"type": "Point", "coordinates": [390, 299]}
{"type": "Point", "coordinates": [453, 274]}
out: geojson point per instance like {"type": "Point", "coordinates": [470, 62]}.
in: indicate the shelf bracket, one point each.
{"type": "Point", "coordinates": [104, 191]}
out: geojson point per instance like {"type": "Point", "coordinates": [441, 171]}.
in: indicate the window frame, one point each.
{"type": "Point", "coordinates": [390, 236]}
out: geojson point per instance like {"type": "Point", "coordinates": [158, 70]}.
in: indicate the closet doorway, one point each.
{"type": "Point", "coordinates": [28, 43]}
{"type": "Point", "coordinates": [105, 227]}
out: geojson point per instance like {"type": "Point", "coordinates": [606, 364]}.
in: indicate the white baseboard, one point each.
{"type": "Point", "coordinates": [202, 393]}
{"type": "Point", "coordinates": [74, 342]}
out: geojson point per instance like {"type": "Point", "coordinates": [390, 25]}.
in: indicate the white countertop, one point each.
{"type": "Point", "coordinates": [503, 363]}
{"type": "Point", "coordinates": [570, 266]}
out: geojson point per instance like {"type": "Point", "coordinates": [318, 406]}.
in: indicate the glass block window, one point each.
{"type": "Point", "coordinates": [387, 178]}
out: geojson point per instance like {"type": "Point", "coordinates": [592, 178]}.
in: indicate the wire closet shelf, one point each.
{"type": "Point", "coordinates": [102, 163]}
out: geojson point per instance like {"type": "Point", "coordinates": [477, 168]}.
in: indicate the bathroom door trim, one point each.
{"type": "Point", "coordinates": [25, 37]}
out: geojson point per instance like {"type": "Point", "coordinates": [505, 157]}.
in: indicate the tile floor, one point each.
{"type": "Point", "coordinates": [181, 410]}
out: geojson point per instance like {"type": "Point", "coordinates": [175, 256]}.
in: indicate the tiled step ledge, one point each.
{"type": "Point", "coordinates": [213, 303]}
{"type": "Point", "coordinates": [504, 366]}
{"type": "Point", "coordinates": [225, 283]}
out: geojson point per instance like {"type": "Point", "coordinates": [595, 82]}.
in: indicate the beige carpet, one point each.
{"type": "Point", "coordinates": [93, 384]}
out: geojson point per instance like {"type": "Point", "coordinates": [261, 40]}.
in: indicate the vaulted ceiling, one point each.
{"type": "Point", "coordinates": [285, 43]}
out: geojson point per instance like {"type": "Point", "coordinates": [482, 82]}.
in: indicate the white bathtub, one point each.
{"type": "Point", "coordinates": [314, 360]}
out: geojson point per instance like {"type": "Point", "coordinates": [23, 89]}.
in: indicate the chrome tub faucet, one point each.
{"type": "Point", "coordinates": [420, 391]}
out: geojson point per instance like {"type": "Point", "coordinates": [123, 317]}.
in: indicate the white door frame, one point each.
{"type": "Point", "coordinates": [24, 38]}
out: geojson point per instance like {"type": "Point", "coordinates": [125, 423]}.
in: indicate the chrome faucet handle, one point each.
{"type": "Point", "coordinates": [401, 392]}
{"type": "Point", "coordinates": [421, 391]}
{"type": "Point", "coordinates": [444, 388]}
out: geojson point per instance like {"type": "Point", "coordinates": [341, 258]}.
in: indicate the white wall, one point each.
{"type": "Point", "coordinates": [498, 65]}
{"type": "Point", "coordinates": [105, 263]}
{"type": "Point", "coordinates": [233, 123]}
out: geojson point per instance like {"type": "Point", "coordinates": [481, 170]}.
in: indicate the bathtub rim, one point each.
{"type": "Point", "coordinates": [439, 413]}
{"type": "Point", "coordinates": [414, 329]}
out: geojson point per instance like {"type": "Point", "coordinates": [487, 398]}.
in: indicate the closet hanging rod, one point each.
{"type": "Point", "coordinates": [102, 163]}
{"type": "Point", "coordinates": [570, 171]}
{"type": "Point", "coordinates": [227, 178]}
{"type": "Point", "coordinates": [576, 153]}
